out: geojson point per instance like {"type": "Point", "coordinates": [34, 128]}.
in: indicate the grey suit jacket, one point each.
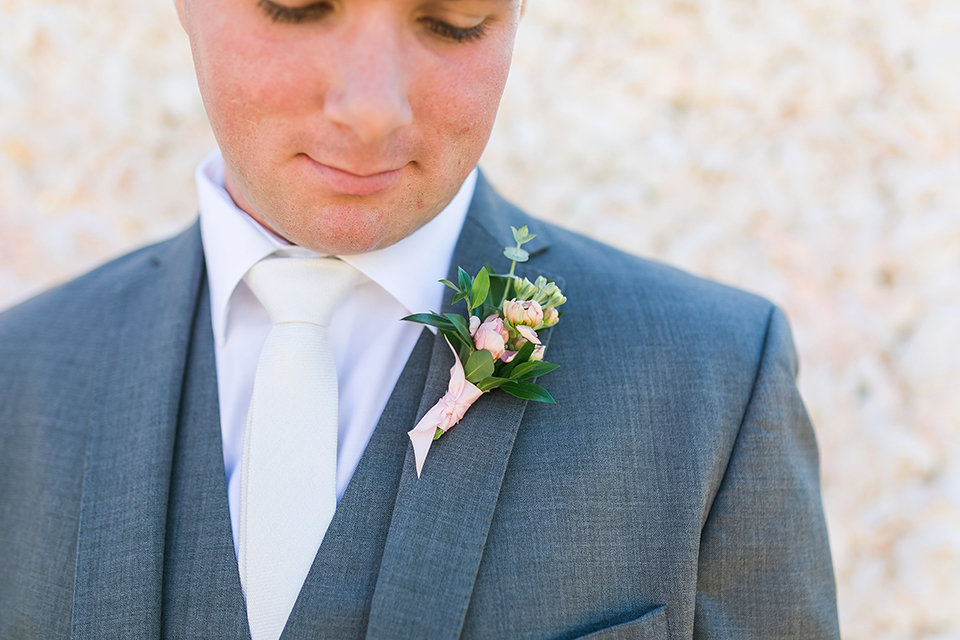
{"type": "Point", "coordinates": [672, 491]}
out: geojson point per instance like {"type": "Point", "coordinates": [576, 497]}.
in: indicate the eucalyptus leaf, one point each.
{"type": "Point", "coordinates": [527, 391]}
{"type": "Point", "coordinates": [522, 235]}
{"type": "Point", "coordinates": [532, 370]}
{"type": "Point", "coordinates": [478, 366]}
{"type": "Point", "coordinates": [516, 255]}
{"type": "Point", "coordinates": [481, 287]}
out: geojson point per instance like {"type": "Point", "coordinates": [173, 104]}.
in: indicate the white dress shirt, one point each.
{"type": "Point", "coordinates": [370, 343]}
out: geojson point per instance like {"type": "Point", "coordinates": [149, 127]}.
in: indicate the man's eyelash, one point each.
{"type": "Point", "coordinates": [456, 33]}
{"type": "Point", "coordinates": [294, 15]}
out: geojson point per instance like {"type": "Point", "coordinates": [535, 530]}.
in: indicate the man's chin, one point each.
{"type": "Point", "coordinates": [348, 239]}
{"type": "Point", "coordinates": [356, 225]}
{"type": "Point", "coordinates": [348, 224]}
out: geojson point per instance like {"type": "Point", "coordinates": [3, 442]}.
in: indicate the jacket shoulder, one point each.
{"type": "Point", "coordinates": [620, 302]}
{"type": "Point", "coordinates": [598, 274]}
{"type": "Point", "coordinates": [667, 296]}
{"type": "Point", "coordinates": [82, 305]}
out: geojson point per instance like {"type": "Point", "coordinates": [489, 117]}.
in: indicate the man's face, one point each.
{"type": "Point", "coordinates": [346, 125]}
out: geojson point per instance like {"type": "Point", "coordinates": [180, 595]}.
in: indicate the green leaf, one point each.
{"type": "Point", "coordinates": [486, 311]}
{"type": "Point", "coordinates": [451, 285]}
{"type": "Point", "coordinates": [493, 272]}
{"type": "Point", "coordinates": [466, 282]}
{"type": "Point", "coordinates": [478, 366]}
{"type": "Point", "coordinates": [532, 370]}
{"type": "Point", "coordinates": [481, 287]}
{"type": "Point", "coordinates": [432, 319]}
{"type": "Point", "coordinates": [491, 382]}
{"type": "Point", "coordinates": [522, 356]}
{"type": "Point", "coordinates": [439, 433]}
{"type": "Point", "coordinates": [522, 235]}
{"type": "Point", "coordinates": [463, 329]}
{"type": "Point", "coordinates": [455, 338]}
{"type": "Point", "coordinates": [516, 255]}
{"type": "Point", "coordinates": [527, 391]}
{"type": "Point", "coordinates": [460, 296]}
{"type": "Point", "coordinates": [498, 285]}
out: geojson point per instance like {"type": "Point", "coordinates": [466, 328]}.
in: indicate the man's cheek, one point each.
{"type": "Point", "coordinates": [252, 73]}
{"type": "Point", "coordinates": [457, 106]}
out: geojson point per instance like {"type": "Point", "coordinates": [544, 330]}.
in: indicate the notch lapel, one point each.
{"type": "Point", "coordinates": [123, 509]}
{"type": "Point", "coordinates": [440, 520]}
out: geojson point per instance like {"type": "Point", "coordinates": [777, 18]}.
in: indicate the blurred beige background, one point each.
{"type": "Point", "coordinates": [807, 150]}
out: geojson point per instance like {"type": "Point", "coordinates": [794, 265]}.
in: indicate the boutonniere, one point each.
{"type": "Point", "coordinates": [495, 345]}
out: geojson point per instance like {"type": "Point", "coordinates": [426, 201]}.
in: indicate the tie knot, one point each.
{"type": "Point", "coordinates": [304, 290]}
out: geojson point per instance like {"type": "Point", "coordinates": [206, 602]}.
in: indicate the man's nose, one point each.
{"type": "Point", "coordinates": [369, 95]}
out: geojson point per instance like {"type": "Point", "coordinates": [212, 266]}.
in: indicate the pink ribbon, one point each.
{"type": "Point", "coordinates": [460, 394]}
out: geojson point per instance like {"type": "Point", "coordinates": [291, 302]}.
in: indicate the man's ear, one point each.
{"type": "Point", "coordinates": [178, 4]}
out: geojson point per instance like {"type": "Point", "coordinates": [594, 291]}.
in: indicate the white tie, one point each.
{"type": "Point", "coordinates": [288, 483]}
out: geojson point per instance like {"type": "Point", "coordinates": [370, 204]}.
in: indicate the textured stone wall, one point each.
{"type": "Point", "coordinates": [808, 150]}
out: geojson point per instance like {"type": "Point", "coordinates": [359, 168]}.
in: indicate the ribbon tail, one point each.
{"type": "Point", "coordinates": [421, 437]}
{"type": "Point", "coordinates": [461, 394]}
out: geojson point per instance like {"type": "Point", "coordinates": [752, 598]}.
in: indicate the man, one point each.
{"type": "Point", "coordinates": [671, 492]}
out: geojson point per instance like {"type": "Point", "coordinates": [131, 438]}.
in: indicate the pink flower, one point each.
{"type": "Point", "coordinates": [526, 312]}
{"type": "Point", "coordinates": [513, 311]}
{"type": "Point", "coordinates": [550, 317]}
{"type": "Point", "coordinates": [537, 354]}
{"type": "Point", "coordinates": [491, 335]}
{"type": "Point", "coordinates": [528, 334]}
{"type": "Point", "coordinates": [533, 313]}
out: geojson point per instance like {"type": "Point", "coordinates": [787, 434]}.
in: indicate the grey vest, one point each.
{"type": "Point", "coordinates": [202, 596]}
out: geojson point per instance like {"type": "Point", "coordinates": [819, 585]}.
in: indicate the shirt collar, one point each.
{"type": "Point", "coordinates": [408, 270]}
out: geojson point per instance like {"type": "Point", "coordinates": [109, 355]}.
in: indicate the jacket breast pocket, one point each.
{"type": "Point", "coordinates": [650, 626]}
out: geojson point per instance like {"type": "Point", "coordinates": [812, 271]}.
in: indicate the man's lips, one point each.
{"type": "Point", "coordinates": [347, 183]}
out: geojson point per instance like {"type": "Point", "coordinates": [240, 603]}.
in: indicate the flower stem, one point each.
{"type": "Point", "coordinates": [506, 289]}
